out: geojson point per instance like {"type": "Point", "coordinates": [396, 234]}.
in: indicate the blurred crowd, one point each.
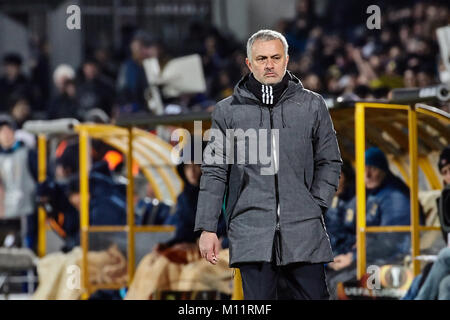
{"type": "Point", "coordinates": [334, 56]}
{"type": "Point", "coordinates": [331, 50]}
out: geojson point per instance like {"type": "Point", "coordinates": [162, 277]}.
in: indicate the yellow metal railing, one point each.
{"type": "Point", "coordinates": [411, 176]}
{"type": "Point", "coordinates": [414, 228]}
{"type": "Point", "coordinates": [131, 229]}
{"type": "Point", "coordinates": [238, 293]}
{"type": "Point", "coordinates": [84, 210]}
{"type": "Point", "coordinates": [130, 206]}
{"type": "Point", "coordinates": [42, 172]}
{"type": "Point", "coordinates": [84, 132]}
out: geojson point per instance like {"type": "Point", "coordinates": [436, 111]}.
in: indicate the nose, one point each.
{"type": "Point", "coordinates": [269, 64]}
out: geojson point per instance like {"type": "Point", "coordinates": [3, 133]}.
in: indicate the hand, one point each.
{"type": "Point", "coordinates": [209, 246]}
{"type": "Point", "coordinates": [341, 261]}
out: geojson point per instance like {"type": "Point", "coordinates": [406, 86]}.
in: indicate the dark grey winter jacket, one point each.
{"type": "Point", "coordinates": [308, 163]}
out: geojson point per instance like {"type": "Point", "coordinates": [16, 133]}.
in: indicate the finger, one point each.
{"type": "Point", "coordinates": [210, 257]}
{"type": "Point", "coordinates": [216, 250]}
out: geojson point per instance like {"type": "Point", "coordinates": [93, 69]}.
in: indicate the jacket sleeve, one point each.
{"type": "Point", "coordinates": [214, 176]}
{"type": "Point", "coordinates": [327, 157]}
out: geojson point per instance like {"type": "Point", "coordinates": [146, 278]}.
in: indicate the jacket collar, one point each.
{"type": "Point", "coordinates": [243, 95]}
{"type": "Point", "coordinates": [18, 144]}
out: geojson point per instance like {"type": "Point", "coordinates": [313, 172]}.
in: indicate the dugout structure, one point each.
{"type": "Point", "coordinates": [150, 153]}
{"type": "Point", "coordinates": [411, 136]}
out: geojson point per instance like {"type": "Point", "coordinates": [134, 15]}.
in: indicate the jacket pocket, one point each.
{"type": "Point", "coordinates": [314, 201]}
{"type": "Point", "coordinates": [236, 185]}
{"type": "Point", "coordinates": [308, 172]}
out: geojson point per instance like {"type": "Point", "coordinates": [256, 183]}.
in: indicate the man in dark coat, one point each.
{"type": "Point", "coordinates": [274, 213]}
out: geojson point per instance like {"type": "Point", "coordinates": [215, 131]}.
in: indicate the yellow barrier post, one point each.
{"type": "Point", "coordinates": [84, 210]}
{"type": "Point", "coordinates": [414, 189]}
{"type": "Point", "coordinates": [130, 207]}
{"type": "Point", "coordinates": [238, 292]}
{"type": "Point", "coordinates": [427, 169]}
{"type": "Point", "coordinates": [360, 189]}
{"type": "Point", "coordinates": [42, 172]}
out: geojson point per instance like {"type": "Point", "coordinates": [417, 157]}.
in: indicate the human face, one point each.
{"type": "Point", "coordinates": [12, 71]}
{"type": "Point", "coordinates": [445, 171]}
{"type": "Point", "coordinates": [374, 177]}
{"type": "Point", "coordinates": [6, 137]}
{"type": "Point", "coordinates": [90, 71]}
{"type": "Point", "coordinates": [268, 62]}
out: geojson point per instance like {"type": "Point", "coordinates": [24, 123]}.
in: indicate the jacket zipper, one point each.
{"type": "Point", "coordinates": [277, 197]}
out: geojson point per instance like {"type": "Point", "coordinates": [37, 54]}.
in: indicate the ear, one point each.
{"type": "Point", "coordinates": [287, 60]}
{"type": "Point", "coordinates": [249, 64]}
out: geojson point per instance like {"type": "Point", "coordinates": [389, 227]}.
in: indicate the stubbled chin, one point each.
{"type": "Point", "coordinates": [272, 80]}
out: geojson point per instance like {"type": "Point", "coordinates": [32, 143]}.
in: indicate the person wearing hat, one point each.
{"type": "Point", "coordinates": [18, 177]}
{"type": "Point", "coordinates": [387, 204]}
{"type": "Point", "coordinates": [436, 284]}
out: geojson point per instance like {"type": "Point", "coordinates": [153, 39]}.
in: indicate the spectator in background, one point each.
{"type": "Point", "coordinates": [409, 79]}
{"type": "Point", "coordinates": [434, 281]}
{"type": "Point", "coordinates": [18, 177]}
{"type": "Point", "coordinates": [387, 204]}
{"type": "Point", "coordinates": [107, 203]}
{"type": "Point", "coordinates": [221, 87]}
{"type": "Point", "coordinates": [186, 206]}
{"type": "Point", "coordinates": [212, 60]}
{"type": "Point", "coordinates": [444, 169]}
{"type": "Point", "coordinates": [437, 283]}
{"type": "Point", "coordinates": [444, 165]}
{"type": "Point", "coordinates": [338, 219]}
{"type": "Point", "coordinates": [12, 82]}
{"type": "Point", "coordinates": [20, 110]}
{"type": "Point", "coordinates": [64, 104]}
{"type": "Point", "coordinates": [162, 268]}
{"type": "Point", "coordinates": [61, 198]}
{"type": "Point", "coordinates": [40, 72]}
{"type": "Point", "coordinates": [151, 211]}
{"type": "Point", "coordinates": [132, 82]}
{"type": "Point", "coordinates": [62, 216]}
{"type": "Point", "coordinates": [298, 30]}
{"type": "Point", "coordinates": [106, 66]}
{"type": "Point", "coordinates": [94, 90]}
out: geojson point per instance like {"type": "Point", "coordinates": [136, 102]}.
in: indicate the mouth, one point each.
{"type": "Point", "coordinates": [270, 74]}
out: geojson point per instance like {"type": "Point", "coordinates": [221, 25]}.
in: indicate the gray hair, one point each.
{"type": "Point", "coordinates": [266, 35]}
